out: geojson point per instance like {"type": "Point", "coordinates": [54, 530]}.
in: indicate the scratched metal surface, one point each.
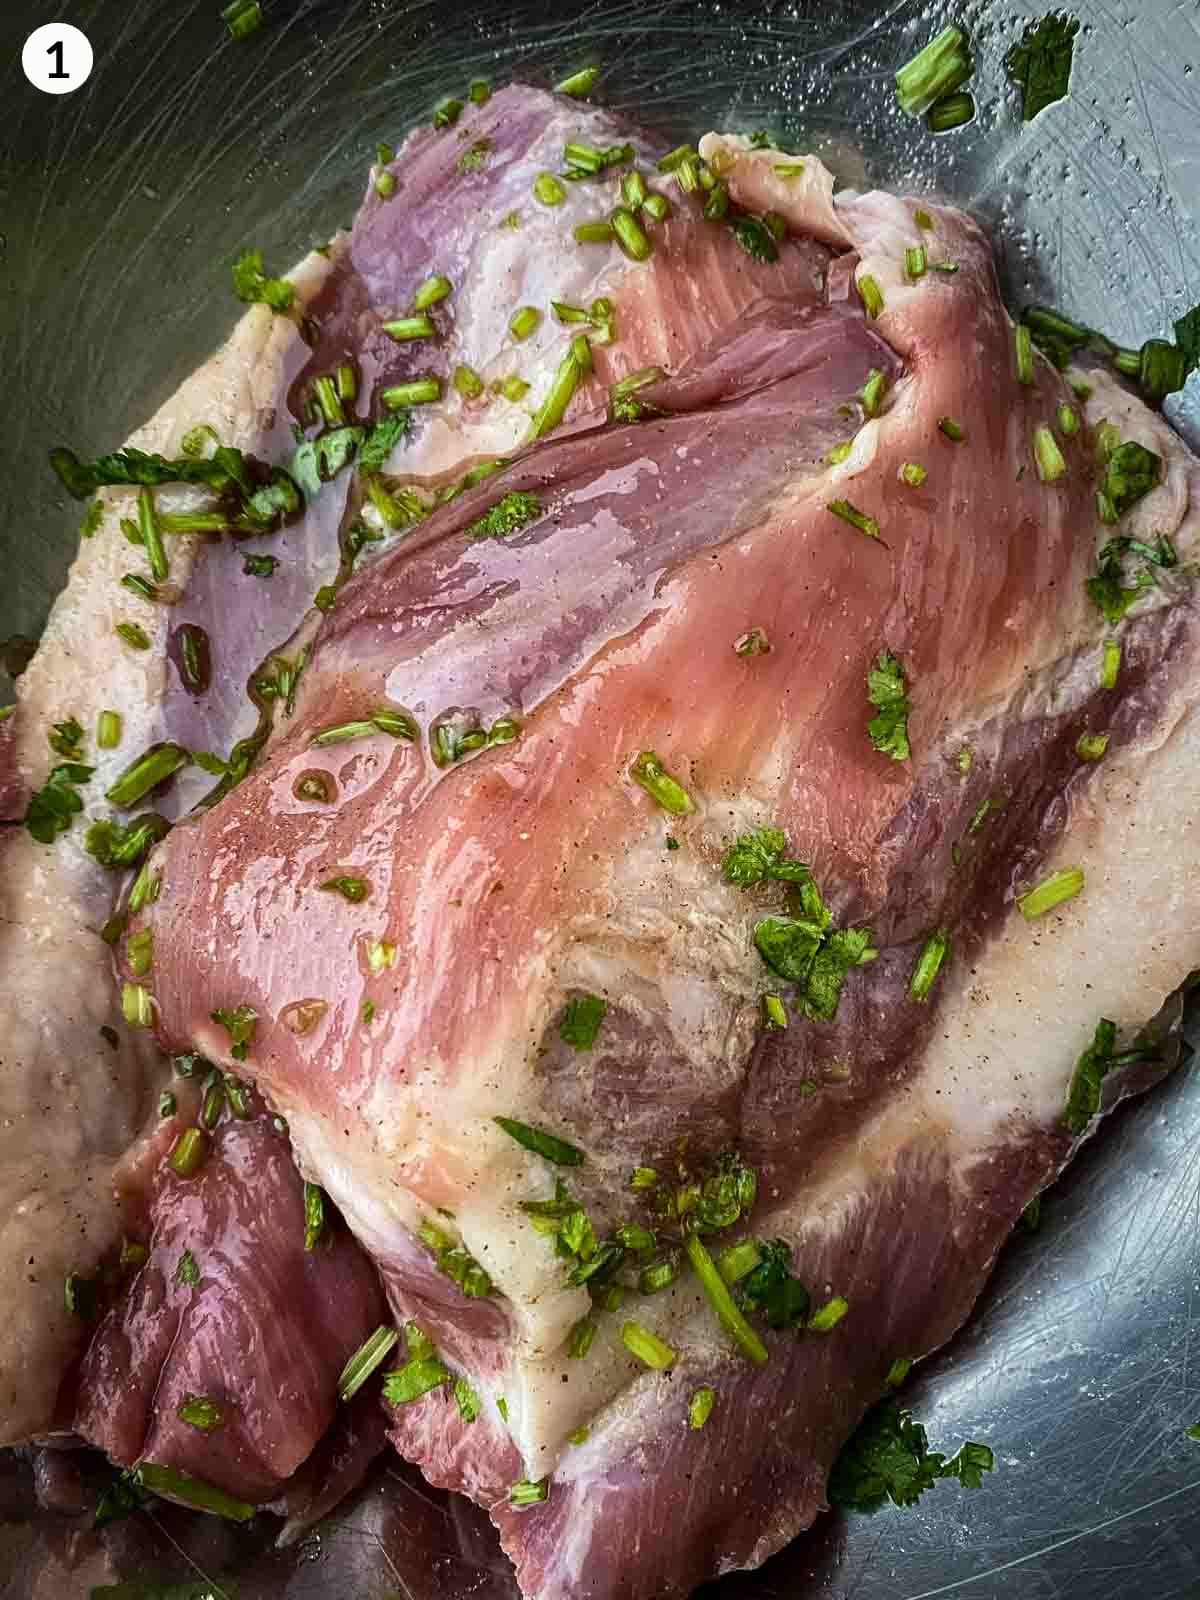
{"type": "Point", "coordinates": [120, 208]}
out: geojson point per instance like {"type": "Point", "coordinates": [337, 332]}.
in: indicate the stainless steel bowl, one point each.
{"type": "Point", "coordinates": [121, 207]}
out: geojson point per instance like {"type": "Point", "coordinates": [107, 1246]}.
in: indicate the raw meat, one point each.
{"type": "Point", "coordinates": [498, 889]}
{"type": "Point", "coordinates": [395, 1020]}
{"type": "Point", "coordinates": [72, 1103]}
{"type": "Point", "coordinates": [230, 1306]}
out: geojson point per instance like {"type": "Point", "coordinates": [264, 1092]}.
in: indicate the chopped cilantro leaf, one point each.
{"type": "Point", "coordinates": [252, 285]}
{"type": "Point", "coordinates": [1132, 472]}
{"type": "Point", "coordinates": [383, 439]}
{"type": "Point", "coordinates": [788, 945]}
{"type": "Point", "coordinates": [754, 236]}
{"type": "Point", "coordinates": [886, 691]}
{"type": "Point", "coordinates": [319, 460]}
{"type": "Point", "coordinates": [889, 1458]}
{"type": "Point", "coordinates": [762, 854]}
{"type": "Point", "coordinates": [239, 1023]}
{"type": "Point", "coordinates": [1040, 64]}
{"type": "Point", "coordinates": [581, 1020]}
{"type": "Point", "coordinates": [225, 469]}
{"type": "Point", "coordinates": [1187, 337]}
{"type": "Point", "coordinates": [843, 949]}
{"type": "Point", "coordinates": [1083, 1095]}
{"type": "Point", "coordinates": [507, 516]}
{"type": "Point", "coordinates": [772, 1289]}
{"type": "Point", "coordinates": [53, 807]}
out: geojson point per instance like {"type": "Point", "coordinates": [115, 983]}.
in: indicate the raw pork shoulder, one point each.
{"type": "Point", "coordinates": [672, 788]}
{"type": "Point", "coordinates": [601, 594]}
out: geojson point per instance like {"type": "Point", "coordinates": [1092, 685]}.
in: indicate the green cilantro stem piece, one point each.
{"type": "Point", "coordinates": [656, 1277]}
{"type": "Point", "coordinates": [134, 636]}
{"type": "Point", "coordinates": [1023, 341]}
{"type": "Point", "coordinates": [147, 773]}
{"type": "Point", "coordinates": [650, 774]}
{"type": "Point", "coordinates": [198, 1411]}
{"type": "Point", "coordinates": [1051, 464]}
{"type": "Point", "coordinates": [913, 474]}
{"type": "Point", "coordinates": [953, 430]}
{"type": "Point", "coordinates": [314, 1215]}
{"type": "Point", "coordinates": [468, 382]}
{"type": "Point", "coordinates": [447, 113]}
{"type": "Point", "coordinates": [943, 66]}
{"type": "Point", "coordinates": [328, 401]}
{"type": "Point", "coordinates": [701, 1407]}
{"type": "Point", "coordinates": [856, 518]}
{"type": "Point", "coordinates": [527, 1493]}
{"type": "Point", "coordinates": [151, 540]}
{"type": "Point", "coordinates": [418, 392]}
{"type": "Point", "coordinates": [582, 1337]}
{"type": "Point", "coordinates": [647, 1347]}
{"type": "Point", "coordinates": [369, 1356]}
{"type": "Point", "coordinates": [1091, 746]}
{"type": "Point", "coordinates": [541, 1143]}
{"type": "Point", "coordinates": [1068, 421]}
{"type": "Point", "coordinates": [578, 84]}
{"type": "Point", "coordinates": [1053, 891]}
{"type": "Point", "coordinates": [723, 1304]}
{"type": "Point", "coordinates": [916, 262]}
{"type": "Point", "coordinates": [633, 239]}
{"type": "Point", "coordinates": [634, 190]}
{"type": "Point", "coordinates": [548, 189]}
{"type": "Point", "coordinates": [562, 389]}
{"type": "Point", "coordinates": [738, 1260]}
{"type": "Point", "coordinates": [175, 1485]}
{"type": "Point", "coordinates": [873, 392]}
{"type": "Point", "coordinates": [242, 18]}
{"type": "Point", "coordinates": [1110, 664]}
{"type": "Point", "coordinates": [189, 1153]}
{"type": "Point", "coordinates": [431, 292]}
{"type": "Point", "coordinates": [139, 952]}
{"type": "Point", "coordinates": [406, 328]}
{"type": "Point", "coordinates": [830, 1314]}
{"type": "Point", "coordinates": [523, 322]}
{"type": "Point", "coordinates": [355, 890]}
{"type": "Point", "coordinates": [870, 294]}
{"type": "Point", "coordinates": [929, 964]}
{"type": "Point", "coordinates": [594, 233]}
{"type": "Point", "coordinates": [774, 1012]}
{"type": "Point", "coordinates": [108, 730]}
{"type": "Point", "coordinates": [1162, 368]}
{"type": "Point", "coordinates": [657, 207]}
{"type": "Point", "coordinates": [951, 111]}
{"type": "Point", "coordinates": [898, 1371]}
{"type": "Point", "coordinates": [716, 207]}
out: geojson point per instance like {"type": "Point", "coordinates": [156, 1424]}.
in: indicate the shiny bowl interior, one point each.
{"type": "Point", "coordinates": [121, 207]}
